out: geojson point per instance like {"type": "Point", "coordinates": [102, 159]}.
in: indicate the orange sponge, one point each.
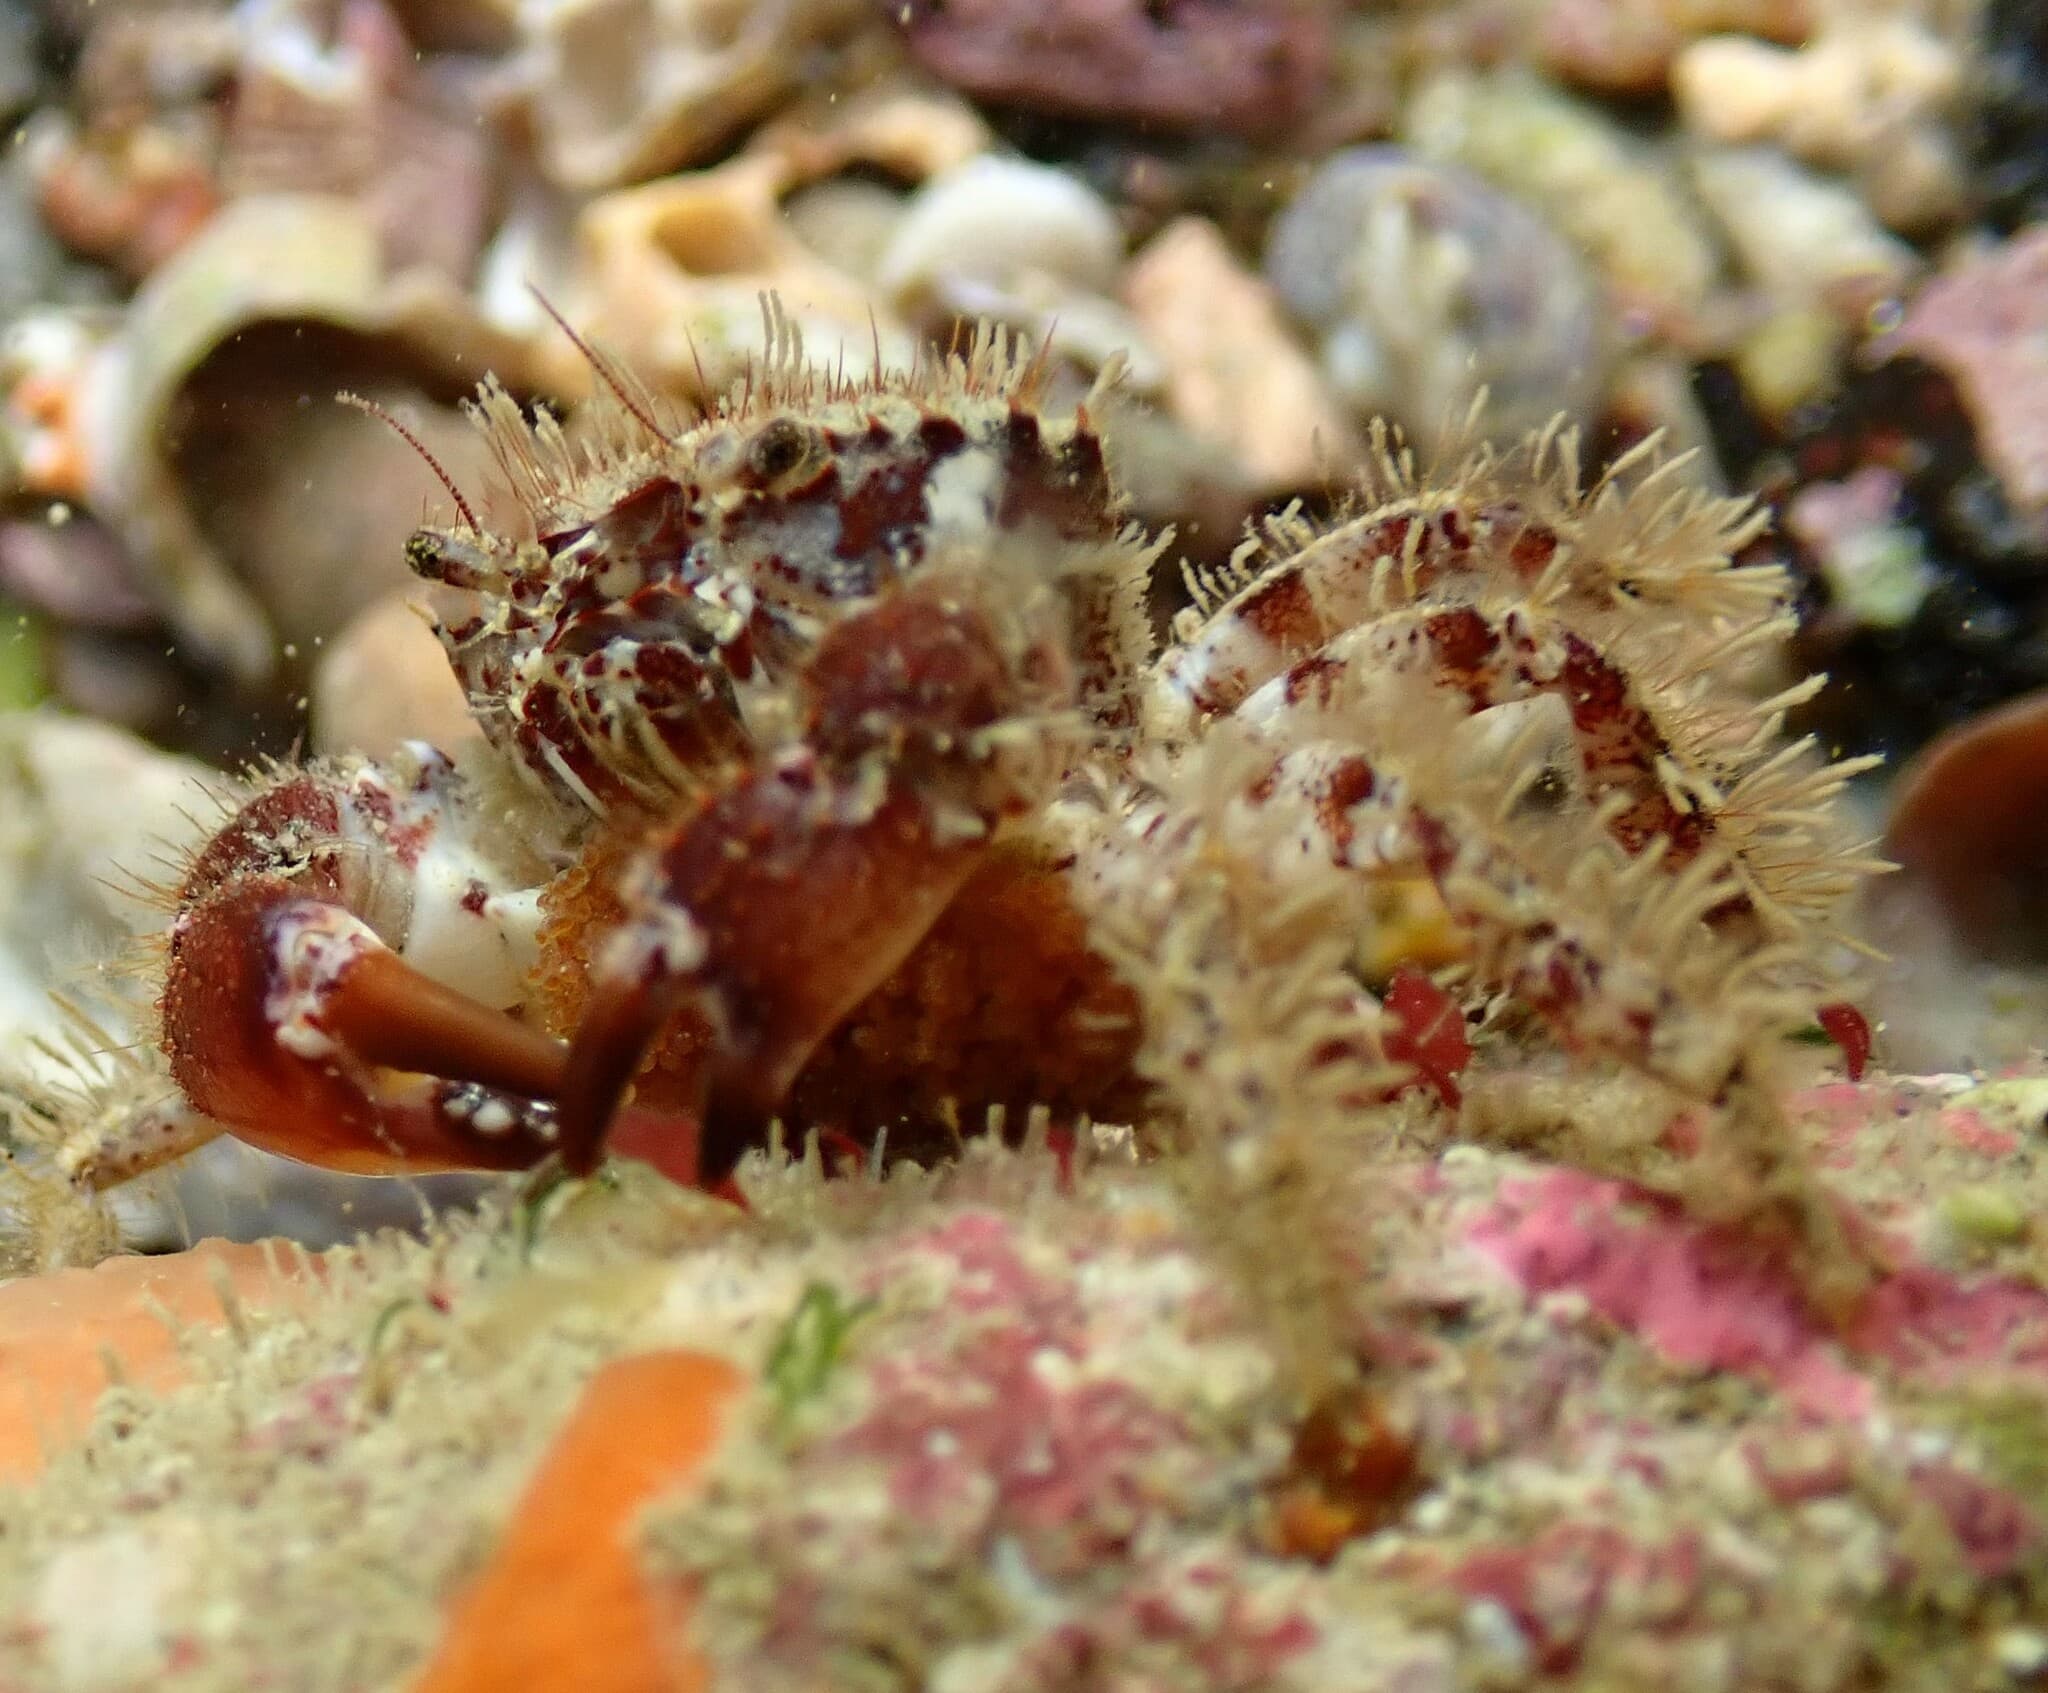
{"type": "Point", "coordinates": [561, 1605]}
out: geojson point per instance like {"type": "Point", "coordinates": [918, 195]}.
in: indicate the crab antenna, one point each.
{"type": "Point", "coordinates": [413, 441]}
{"type": "Point", "coordinates": [1032, 377]}
{"type": "Point", "coordinates": [697, 363]}
{"type": "Point", "coordinates": [602, 366]}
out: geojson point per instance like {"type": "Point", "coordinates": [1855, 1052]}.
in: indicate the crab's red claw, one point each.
{"type": "Point", "coordinates": [288, 1020]}
{"type": "Point", "coordinates": [385, 1012]}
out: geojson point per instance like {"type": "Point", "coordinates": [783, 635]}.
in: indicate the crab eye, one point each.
{"type": "Point", "coordinates": [440, 557]}
{"type": "Point", "coordinates": [779, 448]}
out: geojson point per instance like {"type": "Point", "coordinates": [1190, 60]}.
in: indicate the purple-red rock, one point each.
{"type": "Point", "coordinates": [1244, 67]}
{"type": "Point", "coordinates": [1984, 322]}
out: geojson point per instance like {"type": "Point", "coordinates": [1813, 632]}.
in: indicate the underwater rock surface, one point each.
{"type": "Point", "coordinates": [988, 1427]}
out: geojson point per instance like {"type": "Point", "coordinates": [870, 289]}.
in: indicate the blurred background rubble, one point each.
{"type": "Point", "coordinates": [1807, 237]}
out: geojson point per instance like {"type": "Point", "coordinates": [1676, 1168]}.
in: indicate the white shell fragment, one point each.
{"type": "Point", "coordinates": [1023, 244]}
{"type": "Point", "coordinates": [1425, 285]}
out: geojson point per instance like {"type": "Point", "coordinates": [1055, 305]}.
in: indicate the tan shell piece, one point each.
{"type": "Point", "coordinates": [89, 811]}
{"type": "Point", "coordinates": [1969, 823]}
{"type": "Point", "coordinates": [384, 680]}
{"type": "Point", "coordinates": [671, 274]}
{"type": "Point", "coordinates": [88, 806]}
{"type": "Point", "coordinates": [674, 273]}
{"type": "Point", "coordinates": [1233, 372]}
{"type": "Point", "coordinates": [311, 259]}
{"type": "Point", "coordinates": [909, 132]}
{"type": "Point", "coordinates": [1874, 95]}
{"type": "Point", "coordinates": [622, 90]}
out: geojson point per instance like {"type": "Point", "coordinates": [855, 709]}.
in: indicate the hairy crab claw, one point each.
{"type": "Point", "coordinates": [301, 1028]}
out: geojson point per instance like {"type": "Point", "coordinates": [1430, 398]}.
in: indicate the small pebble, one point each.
{"type": "Point", "coordinates": [1984, 1215]}
{"type": "Point", "coordinates": [1425, 284]}
{"type": "Point", "coordinates": [2022, 1655]}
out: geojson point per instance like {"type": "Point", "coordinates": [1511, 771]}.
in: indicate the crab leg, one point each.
{"type": "Point", "coordinates": [1593, 963]}
{"type": "Point", "coordinates": [1505, 659]}
{"type": "Point", "coordinates": [773, 910]}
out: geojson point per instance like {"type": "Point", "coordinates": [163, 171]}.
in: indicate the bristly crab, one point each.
{"type": "Point", "coordinates": [817, 729]}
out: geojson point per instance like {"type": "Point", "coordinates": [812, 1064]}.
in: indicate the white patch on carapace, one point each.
{"type": "Point", "coordinates": [660, 941]}
{"type": "Point", "coordinates": [726, 603]}
{"type": "Point", "coordinates": [961, 494]}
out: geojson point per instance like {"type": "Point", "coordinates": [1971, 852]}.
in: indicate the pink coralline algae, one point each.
{"type": "Point", "coordinates": [1557, 1588]}
{"type": "Point", "coordinates": [1618, 1446]}
{"type": "Point", "coordinates": [993, 1438]}
{"type": "Point", "coordinates": [1702, 1299]}
{"type": "Point", "coordinates": [1985, 323]}
{"type": "Point", "coordinates": [1249, 67]}
{"type": "Point", "coordinates": [1699, 1299]}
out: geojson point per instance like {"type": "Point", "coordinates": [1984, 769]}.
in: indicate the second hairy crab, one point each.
{"type": "Point", "coordinates": [827, 742]}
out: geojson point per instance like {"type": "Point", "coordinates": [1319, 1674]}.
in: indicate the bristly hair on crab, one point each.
{"type": "Point", "coordinates": [557, 474]}
{"type": "Point", "coordinates": [848, 786]}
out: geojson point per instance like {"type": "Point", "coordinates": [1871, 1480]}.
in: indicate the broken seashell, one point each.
{"type": "Point", "coordinates": [1425, 285]}
{"type": "Point", "coordinates": [1234, 375]}
{"type": "Point", "coordinates": [187, 430]}
{"type": "Point", "coordinates": [994, 218]}
{"type": "Point", "coordinates": [385, 680]}
{"type": "Point", "coordinates": [671, 274]}
{"type": "Point", "coordinates": [618, 91]}
{"type": "Point", "coordinates": [1020, 244]}
{"type": "Point", "coordinates": [911, 133]}
{"type": "Point", "coordinates": [1878, 99]}
{"type": "Point", "coordinates": [674, 273]}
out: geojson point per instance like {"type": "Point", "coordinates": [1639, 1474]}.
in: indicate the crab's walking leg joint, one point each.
{"type": "Point", "coordinates": [292, 1013]}
{"type": "Point", "coordinates": [769, 913]}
